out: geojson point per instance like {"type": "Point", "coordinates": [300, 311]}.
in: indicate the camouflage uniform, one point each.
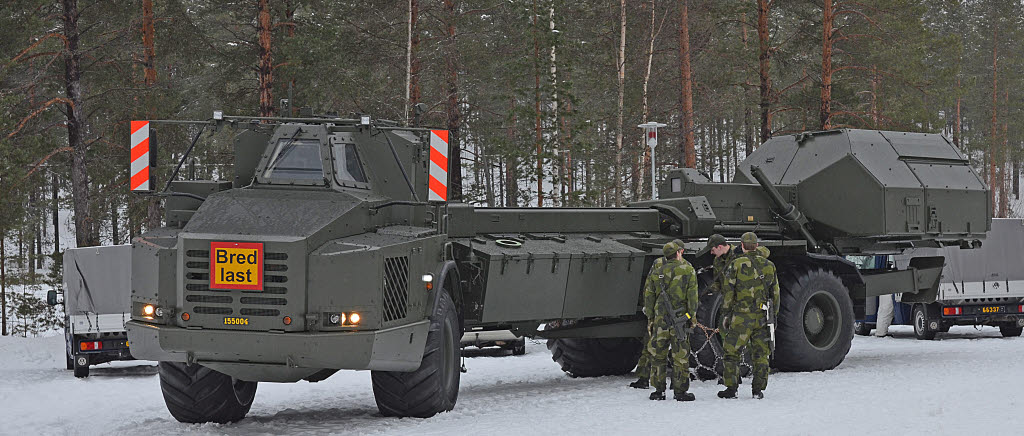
{"type": "Point", "coordinates": [678, 279]}
{"type": "Point", "coordinates": [750, 282]}
{"type": "Point", "coordinates": [719, 265]}
{"type": "Point", "coordinates": [643, 367]}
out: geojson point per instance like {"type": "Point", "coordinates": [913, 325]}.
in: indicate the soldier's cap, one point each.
{"type": "Point", "coordinates": [716, 240]}
{"type": "Point", "coordinates": [749, 238]}
{"type": "Point", "coordinates": [670, 249]}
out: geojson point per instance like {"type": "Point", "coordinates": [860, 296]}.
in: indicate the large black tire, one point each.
{"type": "Point", "coordinates": [197, 394]}
{"type": "Point", "coordinates": [1010, 330]}
{"type": "Point", "coordinates": [920, 317]}
{"type": "Point", "coordinates": [519, 347]}
{"type": "Point", "coordinates": [69, 343]}
{"type": "Point", "coordinates": [595, 357]}
{"type": "Point", "coordinates": [706, 352]}
{"type": "Point", "coordinates": [815, 322]}
{"type": "Point", "coordinates": [433, 387]}
{"type": "Point", "coordinates": [81, 366]}
{"type": "Point", "coordinates": [861, 328]}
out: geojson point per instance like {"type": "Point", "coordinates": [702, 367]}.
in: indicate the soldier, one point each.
{"type": "Point", "coordinates": [675, 281]}
{"type": "Point", "coordinates": [643, 367]}
{"type": "Point", "coordinates": [751, 303]}
{"type": "Point", "coordinates": [723, 253]}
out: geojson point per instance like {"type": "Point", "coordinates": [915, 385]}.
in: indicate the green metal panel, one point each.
{"type": "Point", "coordinates": [467, 221]}
{"type": "Point", "coordinates": [604, 280]}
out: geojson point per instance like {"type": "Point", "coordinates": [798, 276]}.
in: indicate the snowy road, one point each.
{"type": "Point", "coordinates": [969, 381]}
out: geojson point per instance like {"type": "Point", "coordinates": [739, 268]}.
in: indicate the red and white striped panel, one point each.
{"type": "Point", "coordinates": [140, 156]}
{"type": "Point", "coordinates": [438, 187]}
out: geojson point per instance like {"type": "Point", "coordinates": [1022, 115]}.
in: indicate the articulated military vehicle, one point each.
{"type": "Point", "coordinates": [331, 247]}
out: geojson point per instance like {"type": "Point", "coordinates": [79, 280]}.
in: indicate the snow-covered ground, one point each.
{"type": "Point", "coordinates": [969, 381]}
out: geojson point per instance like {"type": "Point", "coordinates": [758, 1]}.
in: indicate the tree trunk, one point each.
{"type": "Point", "coordinates": [958, 123]}
{"type": "Point", "coordinates": [31, 254]}
{"type": "Point", "coordinates": [1016, 177]}
{"type": "Point", "coordinates": [538, 135]}
{"type": "Point", "coordinates": [115, 234]}
{"type": "Point", "coordinates": [825, 108]}
{"type": "Point", "coordinates": [689, 151]}
{"type": "Point", "coordinates": [54, 211]}
{"type": "Point", "coordinates": [148, 47]}
{"type": "Point", "coordinates": [85, 235]}
{"type": "Point", "coordinates": [1004, 199]}
{"type": "Point", "coordinates": [265, 67]}
{"type": "Point", "coordinates": [511, 164]}
{"type": "Point", "coordinates": [556, 181]}
{"type": "Point", "coordinates": [149, 76]}
{"type": "Point", "coordinates": [645, 152]}
{"type": "Point", "coordinates": [621, 109]}
{"type": "Point", "coordinates": [412, 65]}
{"type": "Point", "coordinates": [764, 64]}
{"type": "Point", "coordinates": [452, 111]}
{"type": "Point", "coordinates": [993, 138]}
{"type": "Point", "coordinates": [3, 282]}
{"type": "Point", "coordinates": [748, 130]}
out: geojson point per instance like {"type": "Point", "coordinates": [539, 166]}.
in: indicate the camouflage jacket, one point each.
{"type": "Point", "coordinates": [679, 280]}
{"type": "Point", "coordinates": [648, 288]}
{"type": "Point", "coordinates": [750, 282]}
{"type": "Point", "coordinates": [722, 262]}
{"type": "Point", "coordinates": [718, 267]}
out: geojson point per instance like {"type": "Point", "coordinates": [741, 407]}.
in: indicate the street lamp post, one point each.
{"type": "Point", "coordinates": [651, 133]}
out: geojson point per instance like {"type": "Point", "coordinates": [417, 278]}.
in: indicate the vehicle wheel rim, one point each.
{"type": "Point", "coordinates": [919, 322]}
{"type": "Point", "coordinates": [821, 320]}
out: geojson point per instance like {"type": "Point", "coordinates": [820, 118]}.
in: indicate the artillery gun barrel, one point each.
{"type": "Point", "coordinates": [789, 213]}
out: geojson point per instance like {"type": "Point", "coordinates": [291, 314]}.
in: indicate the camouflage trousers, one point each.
{"type": "Point", "coordinates": [663, 343]}
{"type": "Point", "coordinates": [643, 367]}
{"type": "Point", "coordinates": [746, 330]}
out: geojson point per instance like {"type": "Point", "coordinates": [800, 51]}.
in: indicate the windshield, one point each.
{"type": "Point", "coordinates": [347, 167]}
{"type": "Point", "coordinates": [296, 159]}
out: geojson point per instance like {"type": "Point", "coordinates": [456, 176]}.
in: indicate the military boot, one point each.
{"type": "Point", "coordinates": [727, 393]}
{"type": "Point", "coordinates": [640, 384]}
{"type": "Point", "coordinates": [684, 396]}
{"type": "Point", "coordinates": [657, 395]}
{"type": "Point", "coordinates": [758, 394]}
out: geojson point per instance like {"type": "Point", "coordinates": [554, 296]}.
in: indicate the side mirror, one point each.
{"type": "Point", "coordinates": [51, 298]}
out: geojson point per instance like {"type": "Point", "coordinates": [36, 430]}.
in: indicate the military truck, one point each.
{"type": "Point", "coordinates": [96, 305]}
{"type": "Point", "coordinates": [983, 286]}
{"type": "Point", "coordinates": [332, 247]}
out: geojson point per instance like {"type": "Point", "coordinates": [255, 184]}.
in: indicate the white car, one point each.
{"type": "Point", "coordinates": [495, 338]}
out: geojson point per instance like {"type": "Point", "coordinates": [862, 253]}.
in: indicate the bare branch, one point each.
{"type": "Point", "coordinates": [40, 41]}
{"type": "Point", "coordinates": [38, 111]}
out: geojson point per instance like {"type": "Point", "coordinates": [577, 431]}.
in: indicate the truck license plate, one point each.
{"type": "Point", "coordinates": [992, 309]}
{"type": "Point", "coordinates": [236, 265]}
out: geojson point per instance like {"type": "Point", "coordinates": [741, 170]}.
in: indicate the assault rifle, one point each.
{"type": "Point", "coordinates": [672, 317]}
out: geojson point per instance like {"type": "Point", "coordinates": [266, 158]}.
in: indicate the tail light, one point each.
{"type": "Point", "coordinates": [955, 310]}
{"type": "Point", "coordinates": [91, 345]}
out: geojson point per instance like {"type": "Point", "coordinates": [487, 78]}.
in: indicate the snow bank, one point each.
{"type": "Point", "coordinates": [967, 382]}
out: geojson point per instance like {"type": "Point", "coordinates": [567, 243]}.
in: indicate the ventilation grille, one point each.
{"type": "Point", "coordinates": [244, 302]}
{"type": "Point", "coordinates": [396, 288]}
{"type": "Point", "coordinates": [212, 310]}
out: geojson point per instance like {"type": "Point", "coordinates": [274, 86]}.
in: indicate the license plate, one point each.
{"type": "Point", "coordinates": [236, 321]}
{"type": "Point", "coordinates": [992, 309]}
{"type": "Point", "coordinates": [236, 265]}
